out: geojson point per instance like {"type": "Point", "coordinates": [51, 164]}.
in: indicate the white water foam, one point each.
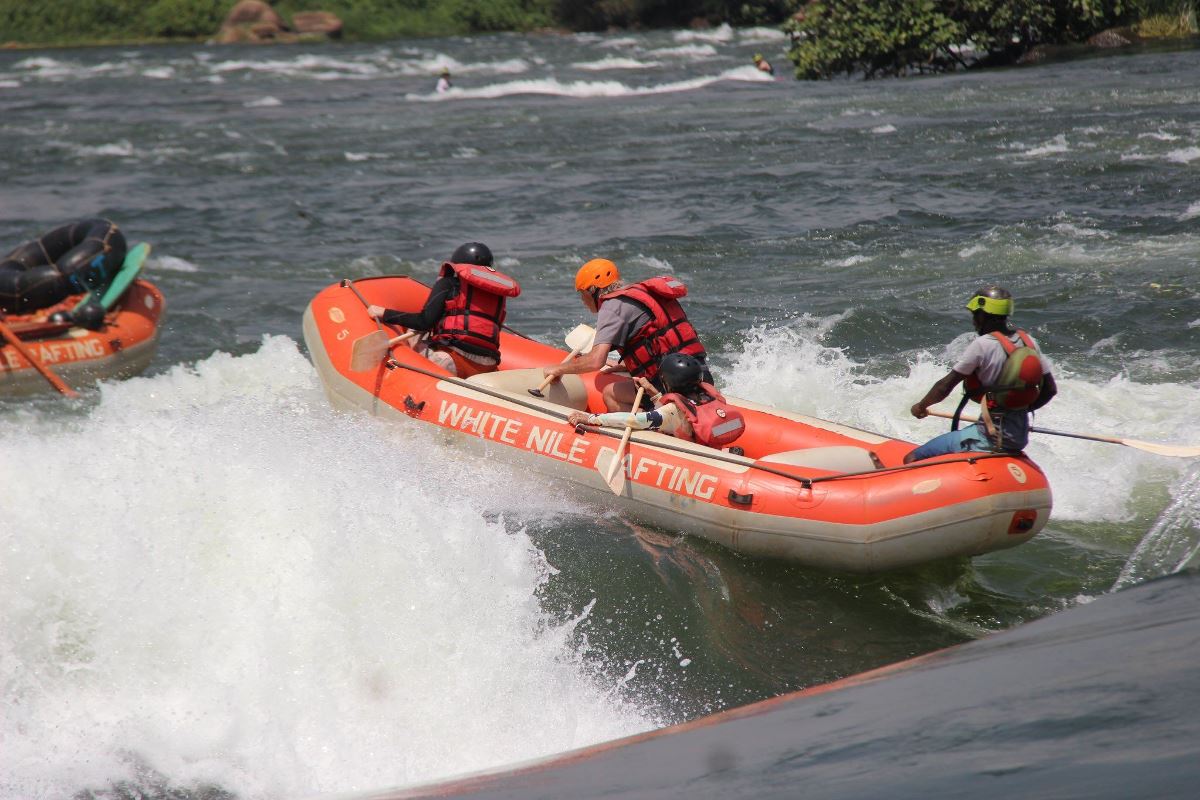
{"type": "Point", "coordinates": [761, 35]}
{"type": "Point", "coordinates": [170, 264]}
{"type": "Point", "coordinates": [553, 86]}
{"type": "Point", "coordinates": [1184, 156]}
{"type": "Point", "coordinates": [1192, 212]}
{"type": "Point", "coordinates": [1174, 540]}
{"type": "Point", "coordinates": [721, 33]}
{"type": "Point", "coordinates": [225, 582]}
{"type": "Point", "coordinates": [1056, 145]}
{"type": "Point", "coordinates": [791, 367]}
{"type": "Point", "coordinates": [691, 51]}
{"type": "Point", "coordinates": [615, 62]}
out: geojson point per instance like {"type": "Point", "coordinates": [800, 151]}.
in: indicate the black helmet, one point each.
{"type": "Point", "coordinates": [680, 372]}
{"type": "Point", "coordinates": [472, 253]}
{"type": "Point", "coordinates": [994, 300]}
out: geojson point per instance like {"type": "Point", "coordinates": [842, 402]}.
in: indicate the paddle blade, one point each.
{"type": "Point", "coordinates": [612, 470]}
{"type": "Point", "coordinates": [368, 351]}
{"type": "Point", "coordinates": [580, 340]}
{"type": "Point", "coordinates": [1173, 450]}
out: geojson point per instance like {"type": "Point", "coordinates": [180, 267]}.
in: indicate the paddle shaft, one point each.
{"type": "Point", "coordinates": [552, 378]}
{"type": "Point", "coordinates": [1108, 439]}
{"type": "Point", "coordinates": [620, 456]}
{"type": "Point", "coordinates": [46, 372]}
{"type": "Point", "coordinates": [1175, 451]}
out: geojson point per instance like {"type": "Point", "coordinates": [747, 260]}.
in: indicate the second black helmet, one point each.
{"type": "Point", "coordinates": [472, 253]}
{"type": "Point", "coordinates": [680, 372]}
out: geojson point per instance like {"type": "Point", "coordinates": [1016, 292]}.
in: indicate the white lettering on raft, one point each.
{"type": "Point", "coordinates": [54, 352]}
{"type": "Point", "coordinates": [676, 479]}
{"type": "Point", "coordinates": [553, 443]}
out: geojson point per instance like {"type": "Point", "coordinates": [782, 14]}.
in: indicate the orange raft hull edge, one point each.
{"type": "Point", "coordinates": [123, 346]}
{"type": "Point", "coordinates": [807, 490]}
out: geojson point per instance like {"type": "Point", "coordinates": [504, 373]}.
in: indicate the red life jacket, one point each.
{"type": "Point", "coordinates": [1020, 379]}
{"type": "Point", "coordinates": [668, 330]}
{"type": "Point", "coordinates": [476, 311]}
{"type": "Point", "coordinates": [715, 423]}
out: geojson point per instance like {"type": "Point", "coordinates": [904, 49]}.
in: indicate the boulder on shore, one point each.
{"type": "Point", "coordinates": [1109, 38]}
{"type": "Point", "coordinates": [323, 22]}
{"type": "Point", "coordinates": [255, 22]}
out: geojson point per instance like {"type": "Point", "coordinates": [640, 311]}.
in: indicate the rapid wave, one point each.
{"type": "Point", "coordinates": [230, 584]}
{"type": "Point", "coordinates": [792, 367]}
{"type": "Point", "coordinates": [586, 89]}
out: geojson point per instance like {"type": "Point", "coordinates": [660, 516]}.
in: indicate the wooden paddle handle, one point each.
{"type": "Point", "coordinates": [20, 347]}
{"type": "Point", "coordinates": [552, 378]}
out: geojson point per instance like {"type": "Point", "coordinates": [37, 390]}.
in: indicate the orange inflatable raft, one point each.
{"type": "Point", "coordinates": [123, 345]}
{"type": "Point", "coordinates": [805, 490]}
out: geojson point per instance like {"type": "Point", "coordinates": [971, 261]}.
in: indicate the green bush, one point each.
{"type": "Point", "coordinates": [897, 37]}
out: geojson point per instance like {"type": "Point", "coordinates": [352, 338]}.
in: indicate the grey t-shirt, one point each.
{"type": "Point", "coordinates": [618, 320]}
{"type": "Point", "coordinates": [985, 357]}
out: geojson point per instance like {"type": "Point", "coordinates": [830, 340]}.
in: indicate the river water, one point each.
{"type": "Point", "coordinates": [210, 579]}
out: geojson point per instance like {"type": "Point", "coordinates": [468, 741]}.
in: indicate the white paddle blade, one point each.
{"type": "Point", "coordinates": [616, 473]}
{"type": "Point", "coordinates": [581, 339]}
{"type": "Point", "coordinates": [367, 351]}
{"type": "Point", "coordinates": [1173, 450]}
{"type": "Point", "coordinates": [612, 470]}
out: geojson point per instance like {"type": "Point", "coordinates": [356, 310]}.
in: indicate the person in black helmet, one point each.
{"type": "Point", "coordinates": [690, 408]}
{"type": "Point", "coordinates": [1004, 370]}
{"type": "Point", "coordinates": [463, 315]}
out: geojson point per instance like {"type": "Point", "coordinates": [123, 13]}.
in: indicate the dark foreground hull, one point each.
{"type": "Point", "coordinates": [1100, 701]}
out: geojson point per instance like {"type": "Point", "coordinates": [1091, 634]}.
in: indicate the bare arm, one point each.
{"type": "Point", "coordinates": [937, 393]}
{"type": "Point", "coordinates": [590, 362]}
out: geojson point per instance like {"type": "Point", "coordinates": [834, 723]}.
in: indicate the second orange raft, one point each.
{"type": "Point", "coordinates": [806, 490]}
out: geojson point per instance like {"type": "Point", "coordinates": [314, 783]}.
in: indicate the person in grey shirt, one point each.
{"type": "Point", "coordinates": [1004, 413]}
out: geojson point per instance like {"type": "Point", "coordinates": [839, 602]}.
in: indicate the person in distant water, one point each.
{"type": "Point", "coordinates": [690, 408]}
{"type": "Point", "coordinates": [644, 321]}
{"type": "Point", "coordinates": [443, 83]}
{"type": "Point", "coordinates": [763, 65]}
{"type": "Point", "coordinates": [463, 314]}
{"type": "Point", "coordinates": [1003, 370]}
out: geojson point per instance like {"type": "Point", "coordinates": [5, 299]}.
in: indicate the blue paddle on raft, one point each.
{"type": "Point", "coordinates": [1175, 451]}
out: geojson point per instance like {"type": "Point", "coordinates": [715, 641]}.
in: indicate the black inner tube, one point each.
{"type": "Point", "coordinates": [78, 257]}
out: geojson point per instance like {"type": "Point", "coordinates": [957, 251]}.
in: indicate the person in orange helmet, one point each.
{"type": "Point", "coordinates": [644, 321]}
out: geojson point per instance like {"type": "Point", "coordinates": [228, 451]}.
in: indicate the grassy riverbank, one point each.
{"type": "Point", "coordinates": [78, 22]}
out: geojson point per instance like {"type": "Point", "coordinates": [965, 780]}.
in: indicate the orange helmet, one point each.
{"type": "Point", "coordinates": [596, 274]}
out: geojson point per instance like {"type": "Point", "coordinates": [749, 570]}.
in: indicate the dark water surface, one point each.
{"type": "Point", "coordinates": [223, 583]}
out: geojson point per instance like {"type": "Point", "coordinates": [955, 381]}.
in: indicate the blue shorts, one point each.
{"type": "Point", "coordinates": [968, 439]}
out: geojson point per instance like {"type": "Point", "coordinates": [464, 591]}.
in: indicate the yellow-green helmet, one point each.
{"type": "Point", "coordinates": [994, 300]}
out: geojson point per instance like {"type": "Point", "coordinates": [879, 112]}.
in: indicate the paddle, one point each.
{"type": "Point", "coordinates": [1176, 451]}
{"type": "Point", "coordinates": [616, 470]}
{"type": "Point", "coordinates": [368, 351]}
{"type": "Point", "coordinates": [131, 267]}
{"type": "Point", "coordinates": [20, 347]}
{"type": "Point", "coordinates": [580, 341]}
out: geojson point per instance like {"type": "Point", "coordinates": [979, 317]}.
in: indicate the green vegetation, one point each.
{"type": "Point", "coordinates": [1168, 19]}
{"type": "Point", "coordinates": [872, 37]}
{"type": "Point", "coordinates": [899, 37]}
{"type": "Point", "coordinates": [93, 21]}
